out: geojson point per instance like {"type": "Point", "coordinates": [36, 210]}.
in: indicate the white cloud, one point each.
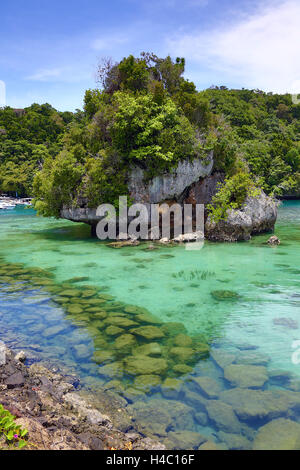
{"type": "Point", "coordinates": [260, 51]}
{"type": "Point", "coordinates": [44, 75]}
{"type": "Point", "coordinates": [108, 42]}
{"type": "Point", "coordinates": [68, 74]}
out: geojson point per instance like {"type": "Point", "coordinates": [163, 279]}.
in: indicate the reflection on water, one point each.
{"type": "Point", "coordinates": [199, 343]}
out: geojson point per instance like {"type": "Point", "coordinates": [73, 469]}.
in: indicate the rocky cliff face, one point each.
{"type": "Point", "coordinates": [257, 216]}
{"type": "Point", "coordinates": [168, 186]}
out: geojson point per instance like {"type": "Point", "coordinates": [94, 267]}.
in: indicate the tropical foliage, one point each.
{"type": "Point", "coordinates": [146, 114]}
{"type": "Point", "coordinates": [11, 434]}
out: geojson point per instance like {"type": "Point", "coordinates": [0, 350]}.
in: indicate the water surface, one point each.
{"type": "Point", "coordinates": [240, 298]}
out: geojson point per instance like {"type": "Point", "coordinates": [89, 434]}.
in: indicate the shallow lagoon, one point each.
{"type": "Point", "coordinates": [255, 325]}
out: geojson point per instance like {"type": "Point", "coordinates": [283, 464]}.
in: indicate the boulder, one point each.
{"type": "Point", "coordinates": [222, 358]}
{"type": "Point", "coordinates": [189, 237]}
{"type": "Point", "coordinates": [157, 416]}
{"type": "Point", "coordinates": [114, 330]}
{"type": "Point", "coordinates": [182, 369]}
{"type": "Point", "coordinates": [258, 215]}
{"type": "Point", "coordinates": [148, 332]}
{"type": "Point", "coordinates": [150, 349]}
{"type": "Point", "coordinates": [246, 376]}
{"type": "Point", "coordinates": [184, 440]}
{"type": "Point", "coordinates": [252, 358]}
{"type": "Point", "coordinates": [21, 356]}
{"type": "Point", "coordinates": [182, 354]}
{"type": "Point", "coordinates": [103, 357]}
{"type": "Point", "coordinates": [209, 445]}
{"type": "Point", "coordinates": [125, 343]}
{"type": "Point", "coordinates": [113, 370]}
{"type": "Point", "coordinates": [234, 441]}
{"type": "Point", "coordinates": [254, 405]}
{"type": "Point", "coordinates": [183, 340]}
{"type": "Point", "coordinates": [279, 434]}
{"type": "Point", "coordinates": [171, 388]}
{"type": "Point", "coordinates": [207, 386]}
{"type": "Point", "coordinates": [81, 351]}
{"type": "Point", "coordinates": [274, 240]}
{"type": "Point", "coordinates": [223, 416]}
{"type": "Point", "coordinates": [145, 365]}
{"type": "Point", "coordinates": [53, 331]}
{"type": "Point", "coordinates": [147, 382]}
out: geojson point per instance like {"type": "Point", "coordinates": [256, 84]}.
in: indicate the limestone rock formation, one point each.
{"type": "Point", "coordinates": [258, 215]}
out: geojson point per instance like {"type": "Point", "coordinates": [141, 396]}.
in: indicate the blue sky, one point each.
{"type": "Point", "coordinates": [50, 49]}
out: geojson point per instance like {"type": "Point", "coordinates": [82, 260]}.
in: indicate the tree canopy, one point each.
{"type": "Point", "coordinates": [145, 113]}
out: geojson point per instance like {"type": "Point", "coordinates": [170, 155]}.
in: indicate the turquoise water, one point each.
{"type": "Point", "coordinates": [261, 318]}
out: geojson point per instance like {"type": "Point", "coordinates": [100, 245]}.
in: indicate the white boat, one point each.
{"type": "Point", "coordinates": [7, 205]}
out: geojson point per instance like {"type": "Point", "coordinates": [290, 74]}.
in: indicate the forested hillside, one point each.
{"type": "Point", "coordinates": [27, 138]}
{"type": "Point", "coordinates": [146, 113]}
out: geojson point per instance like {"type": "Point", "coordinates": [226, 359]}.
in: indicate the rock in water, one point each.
{"type": "Point", "coordinates": [21, 356]}
{"type": "Point", "coordinates": [258, 215]}
{"type": "Point", "coordinates": [279, 434]}
{"type": "Point", "coordinates": [246, 376]}
{"type": "Point", "coordinates": [145, 365]}
{"type": "Point", "coordinates": [274, 240]}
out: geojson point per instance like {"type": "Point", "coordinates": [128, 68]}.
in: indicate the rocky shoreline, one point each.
{"type": "Point", "coordinates": [58, 417]}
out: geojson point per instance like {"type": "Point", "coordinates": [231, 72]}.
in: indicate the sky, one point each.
{"type": "Point", "coordinates": [49, 50]}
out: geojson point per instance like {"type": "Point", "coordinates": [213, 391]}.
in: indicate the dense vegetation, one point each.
{"type": "Point", "coordinates": [146, 113]}
{"type": "Point", "coordinates": [27, 138]}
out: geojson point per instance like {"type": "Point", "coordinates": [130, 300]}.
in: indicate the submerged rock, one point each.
{"type": "Point", "coordinates": [147, 382]}
{"type": "Point", "coordinates": [125, 343]}
{"type": "Point", "coordinates": [182, 369]}
{"type": "Point", "coordinates": [223, 416]}
{"type": "Point", "coordinates": [280, 434]}
{"type": "Point", "coordinates": [184, 440]}
{"type": "Point", "coordinates": [158, 416]}
{"type": "Point", "coordinates": [225, 295]}
{"type": "Point", "coordinates": [150, 349]}
{"type": "Point", "coordinates": [114, 330]}
{"type": "Point", "coordinates": [234, 441]}
{"type": "Point", "coordinates": [246, 376]}
{"type": "Point", "coordinates": [208, 386]}
{"type": "Point", "coordinates": [122, 244]}
{"type": "Point", "coordinates": [253, 405]}
{"type": "Point", "coordinates": [222, 358]}
{"type": "Point", "coordinates": [183, 340]}
{"type": "Point", "coordinates": [81, 351]}
{"type": "Point", "coordinates": [287, 323]}
{"type": "Point", "coordinates": [103, 357]}
{"type": "Point", "coordinates": [148, 332]}
{"type": "Point", "coordinates": [53, 331]}
{"type": "Point", "coordinates": [182, 354]}
{"type": "Point", "coordinates": [209, 445]}
{"type": "Point", "coordinates": [171, 388]}
{"type": "Point", "coordinates": [145, 365]}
